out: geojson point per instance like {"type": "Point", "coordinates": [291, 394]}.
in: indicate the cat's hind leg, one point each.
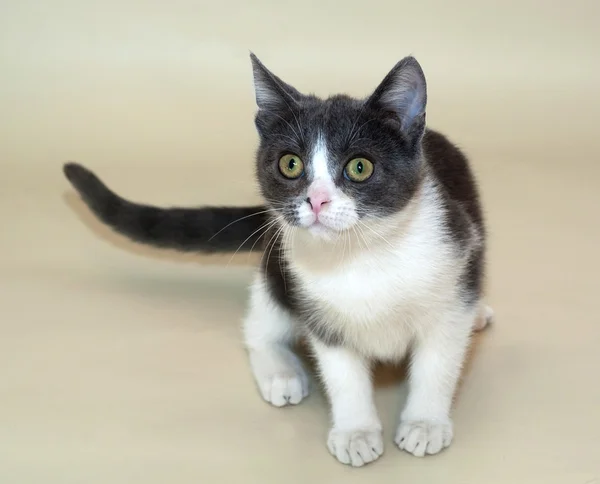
{"type": "Point", "coordinates": [484, 318]}
{"type": "Point", "coordinates": [269, 333]}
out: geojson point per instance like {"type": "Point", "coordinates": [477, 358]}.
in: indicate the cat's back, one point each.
{"type": "Point", "coordinates": [451, 169]}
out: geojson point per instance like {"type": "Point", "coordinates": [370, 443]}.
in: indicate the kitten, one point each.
{"type": "Point", "coordinates": [373, 242]}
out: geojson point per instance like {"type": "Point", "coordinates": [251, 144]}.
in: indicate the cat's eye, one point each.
{"type": "Point", "coordinates": [358, 170]}
{"type": "Point", "coordinates": [291, 166]}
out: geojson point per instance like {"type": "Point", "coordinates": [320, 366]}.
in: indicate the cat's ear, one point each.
{"type": "Point", "coordinates": [404, 92]}
{"type": "Point", "coordinates": [272, 94]}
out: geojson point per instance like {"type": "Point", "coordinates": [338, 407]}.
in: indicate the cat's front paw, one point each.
{"type": "Point", "coordinates": [356, 447]}
{"type": "Point", "coordinates": [280, 376]}
{"type": "Point", "coordinates": [423, 437]}
{"type": "Point", "coordinates": [282, 389]}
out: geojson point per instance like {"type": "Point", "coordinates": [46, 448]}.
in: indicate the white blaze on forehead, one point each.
{"type": "Point", "coordinates": [319, 163]}
{"type": "Point", "coordinates": [327, 203]}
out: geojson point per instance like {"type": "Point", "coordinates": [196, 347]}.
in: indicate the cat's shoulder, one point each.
{"type": "Point", "coordinates": [451, 170]}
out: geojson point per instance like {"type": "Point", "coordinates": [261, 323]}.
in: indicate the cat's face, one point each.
{"type": "Point", "coordinates": [327, 165]}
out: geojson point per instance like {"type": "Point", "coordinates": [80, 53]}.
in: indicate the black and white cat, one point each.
{"type": "Point", "coordinates": [373, 244]}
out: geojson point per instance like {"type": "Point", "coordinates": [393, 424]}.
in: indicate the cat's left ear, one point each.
{"type": "Point", "coordinates": [404, 92]}
{"type": "Point", "coordinates": [272, 94]}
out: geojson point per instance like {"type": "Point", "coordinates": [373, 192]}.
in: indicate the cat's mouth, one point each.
{"type": "Point", "coordinates": [320, 230]}
{"type": "Point", "coordinates": [326, 223]}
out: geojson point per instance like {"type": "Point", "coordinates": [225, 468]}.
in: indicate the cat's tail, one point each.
{"type": "Point", "coordinates": [205, 229]}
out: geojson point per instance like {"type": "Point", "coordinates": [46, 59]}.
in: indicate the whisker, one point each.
{"type": "Point", "coordinates": [285, 136]}
{"type": "Point", "coordinates": [352, 133]}
{"type": "Point", "coordinates": [362, 234]}
{"type": "Point", "coordinates": [355, 230]}
{"type": "Point", "coordinates": [295, 117]}
{"type": "Point", "coordinates": [298, 124]}
{"type": "Point", "coordinates": [352, 141]}
{"type": "Point", "coordinates": [273, 244]}
{"type": "Point", "coordinates": [239, 220]}
{"type": "Point", "coordinates": [286, 240]}
{"type": "Point", "coordinates": [286, 121]}
{"type": "Point", "coordinates": [344, 236]}
{"type": "Point", "coordinates": [265, 231]}
{"type": "Point", "coordinates": [245, 240]}
{"type": "Point", "coordinates": [270, 243]}
{"type": "Point", "coordinates": [378, 235]}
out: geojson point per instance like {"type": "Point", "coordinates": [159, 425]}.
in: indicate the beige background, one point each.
{"type": "Point", "coordinates": [120, 364]}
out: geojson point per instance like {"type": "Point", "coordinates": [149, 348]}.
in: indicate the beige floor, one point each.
{"type": "Point", "coordinates": [120, 364]}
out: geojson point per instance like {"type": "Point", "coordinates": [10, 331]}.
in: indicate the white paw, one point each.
{"type": "Point", "coordinates": [280, 377]}
{"type": "Point", "coordinates": [355, 447]}
{"type": "Point", "coordinates": [284, 389]}
{"type": "Point", "coordinates": [423, 437]}
{"type": "Point", "coordinates": [484, 318]}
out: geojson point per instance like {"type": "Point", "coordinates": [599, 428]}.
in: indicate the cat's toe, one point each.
{"type": "Point", "coordinates": [280, 376]}
{"type": "Point", "coordinates": [284, 389]}
{"type": "Point", "coordinates": [423, 437]}
{"type": "Point", "coordinates": [356, 447]}
{"type": "Point", "coordinates": [484, 318]}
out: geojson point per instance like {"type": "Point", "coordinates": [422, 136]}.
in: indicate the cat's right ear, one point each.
{"type": "Point", "coordinates": [272, 94]}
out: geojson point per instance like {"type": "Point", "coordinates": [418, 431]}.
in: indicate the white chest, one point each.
{"type": "Point", "coordinates": [377, 298]}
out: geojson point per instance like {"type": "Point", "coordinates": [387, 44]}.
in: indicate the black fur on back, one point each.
{"type": "Point", "coordinates": [207, 229]}
{"type": "Point", "coordinates": [451, 169]}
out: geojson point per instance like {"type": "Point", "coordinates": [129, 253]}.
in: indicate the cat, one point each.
{"type": "Point", "coordinates": [374, 247]}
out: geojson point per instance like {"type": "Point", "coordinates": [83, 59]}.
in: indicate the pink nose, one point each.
{"type": "Point", "coordinates": [317, 201]}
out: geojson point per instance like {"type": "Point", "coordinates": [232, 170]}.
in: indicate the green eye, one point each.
{"type": "Point", "coordinates": [358, 169]}
{"type": "Point", "coordinates": [291, 166]}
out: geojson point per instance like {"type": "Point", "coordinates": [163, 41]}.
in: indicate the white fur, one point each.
{"type": "Point", "coordinates": [397, 273]}
{"type": "Point", "coordinates": [337, 215]}
{"type": "Point", "coordinates": [320, 163]}
{"type": "Point", "coordinates": [385, 286]}
{"type": "Point", "coordinates": [355, 437]}
{"type": "Point", "coordinates": [269, 332]}
{"type": "Point", "coordinates": [485, 317]}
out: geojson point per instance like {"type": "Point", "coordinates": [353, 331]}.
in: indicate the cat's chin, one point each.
{"type": "Point", "coordinates": [322, 232]}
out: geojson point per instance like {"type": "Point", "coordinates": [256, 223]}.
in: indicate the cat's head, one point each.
{"type": "Point", "coordinates": [323, 165]}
